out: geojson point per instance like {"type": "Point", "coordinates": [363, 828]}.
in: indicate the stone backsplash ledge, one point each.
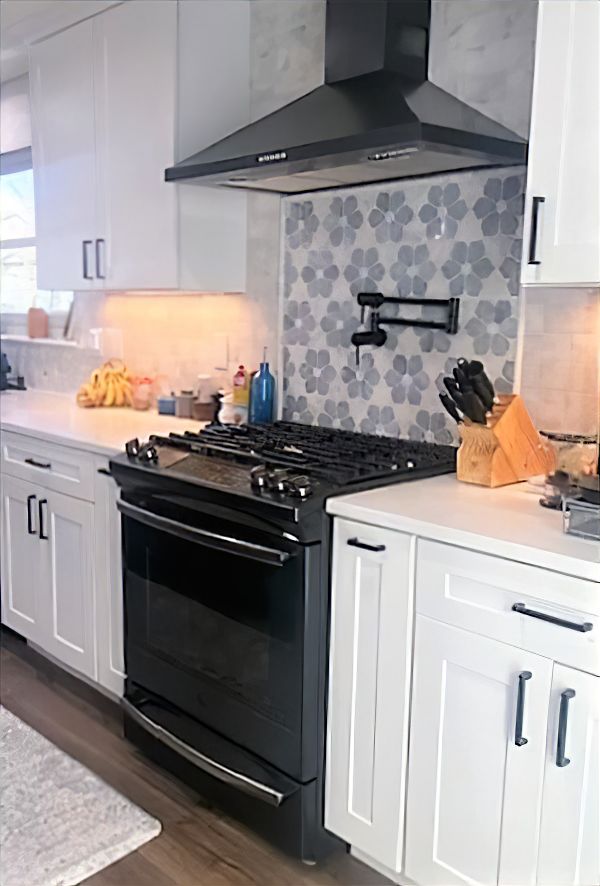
{"type": "Point", "coordinates": [458, 235]}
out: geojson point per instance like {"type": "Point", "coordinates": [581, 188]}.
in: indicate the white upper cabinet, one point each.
{"type": "Point", "coordinates": [63, 135]}
{"type": "Point", "coordinates": [562, 213]}
{"type": "Point", "coordinates": [111, 98]}
{"type": "Point", "coordinates": [135, 84]}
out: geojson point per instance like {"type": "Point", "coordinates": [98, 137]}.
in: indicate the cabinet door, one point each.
{"type": "Point", "coordinates": [135, 70]}
{"type": "Point", "coordinates": [62, 109]}
{"type": "Point", "coordinates": [109, 581]}
{"type": "Point", "coordinates": [67, 527]}
{"type": "Point", "coordinates": [474, 794]}
{"type": "Point", "coordinates": [370, 653]}
{"type": "Point", "coordinates": [564, 148]}
{"type": "Point", "coordinates": [22, 601]}
{"type": "Point", "coordinates": [570, 836]}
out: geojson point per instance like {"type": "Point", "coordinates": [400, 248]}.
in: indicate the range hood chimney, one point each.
{"type": "Point", "coordinates": [376, 117]}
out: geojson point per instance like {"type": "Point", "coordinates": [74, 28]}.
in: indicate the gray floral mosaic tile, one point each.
{"type": "Point", "coordinates": [337, 415]}
{"type": "Point", "coordinates": [320, 273]}
{"type": "Point", "coordinates": [412, 270]}
{"type": "Point", "coordinates": [389, 216]}
{"type": "Point", "coordinates": [364, 272]}
{"type": "Point", "coordinates": [443, 211]}
{"type": "Point", "coordinates": [343, 220]}
{"type": "Point", "coordinates": [458, 235]}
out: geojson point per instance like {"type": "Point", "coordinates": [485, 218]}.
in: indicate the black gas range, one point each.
{"type": "Point", "coordinates": [226, 578]}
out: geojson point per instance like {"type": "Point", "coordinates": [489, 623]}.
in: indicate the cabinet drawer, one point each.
{"type": "Point", "coordinates": [52, 466]}
{"type": "Point", "coordinates": [478, 592]}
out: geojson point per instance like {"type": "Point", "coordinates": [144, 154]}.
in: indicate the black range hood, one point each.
{"type": "Point", "coordinates": [376, 117]}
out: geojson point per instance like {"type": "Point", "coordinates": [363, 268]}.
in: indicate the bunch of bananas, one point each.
{"type": "Point", "coordinates": [110, 385]}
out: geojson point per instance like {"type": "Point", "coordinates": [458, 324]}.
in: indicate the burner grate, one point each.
{"type": "Point", "coordinates": [339, 457]}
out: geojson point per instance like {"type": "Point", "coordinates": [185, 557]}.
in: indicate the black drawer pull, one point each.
{"type": "Point", "coordinates": [355, 543]}
{"type": "Point", "coordinates": [41, 503]}
{"type": "Point", "coordinates": [561, 622]}
{"type": "Point", "coordinates": [30, 527]}
{"type": "Point", "coordinates": [563, 716]}
{"type": "Point", "coordinates": [105, 472]}
{"type": "Point", "coordinates": [46, 465]}
{"type": "Point", "coordinates": [533, 234]}
{"type": "Point", "coordinates": [519, 738]}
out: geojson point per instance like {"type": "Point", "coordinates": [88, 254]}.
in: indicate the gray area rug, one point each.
{"type": "Point", "coordinates": [59, 823]}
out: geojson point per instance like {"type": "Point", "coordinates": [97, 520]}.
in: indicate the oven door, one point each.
{"type": "Point", "coordinates": [222, 621]}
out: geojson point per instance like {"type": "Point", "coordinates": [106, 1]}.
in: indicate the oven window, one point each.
{"type": "Point", "coordinates": [230, 628]}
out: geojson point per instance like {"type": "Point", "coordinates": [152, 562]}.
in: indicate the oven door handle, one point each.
{"type": "Point", "coordinates": [270, 556]}
{"type": "Point", "coordinates": [212, 767]}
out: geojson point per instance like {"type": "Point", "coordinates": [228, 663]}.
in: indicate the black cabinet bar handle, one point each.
{"type": "Point", "coordinates": [86, 268]}
{"type": "Point", "coordinates": [30, 527]}
{"type": "Point", "coordinates": [563, 716]}
{"type": "Point", "coordinates": [41, 503]}
{"type": "Point", "coordinates": [99, 275]}
{"type": "Point", "coordinates": [583, 628]}
{"type": "Point", "coordinates": [519, 738]}
{"type": "Point", "coordinates": [105, 472]}
{"type": "Point", "coordinates": [535, 206]}
{"type": "Point", "coordinates": [355, 543]}
{"type": "Point", "coordinates": [46, 465]}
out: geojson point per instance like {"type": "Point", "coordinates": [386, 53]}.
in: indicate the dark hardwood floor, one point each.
{"type": "Point", "coordinates": [198, 845]}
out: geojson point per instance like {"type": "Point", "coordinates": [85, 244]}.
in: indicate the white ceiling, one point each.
{"type": "Point", "coordinates": [24, 21]}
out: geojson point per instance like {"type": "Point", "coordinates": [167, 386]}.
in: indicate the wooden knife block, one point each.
{"type": "Point", "coordinates": [506, 450]}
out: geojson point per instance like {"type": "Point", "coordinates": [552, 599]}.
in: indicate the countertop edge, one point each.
{"type": "Point", "coordinates": [486, 544]}
{"type": "Point", "coordinates": [71, 441]}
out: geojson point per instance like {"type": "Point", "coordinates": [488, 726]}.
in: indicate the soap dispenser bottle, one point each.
{"type": "Point", "coordinates": [262, 394]}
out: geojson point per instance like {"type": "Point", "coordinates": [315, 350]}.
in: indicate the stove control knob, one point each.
{"type": "Point", "coordinates": [132, 448]}
{"type": "Point", "coordinates": [277, 480]}
{"type": "Point", "coordinates": [410, 464]}
{"type": "Point", "coordinates": [148, 454]}
{"type": "Point", "coordinates": [299, 486]}
{"type": "Point", "coordinates": [258, 477]}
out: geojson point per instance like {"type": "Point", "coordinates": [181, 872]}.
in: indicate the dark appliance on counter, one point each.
{"type": "Point", "coordinates": [6, 384]}
{"type": "Point", "coordinates": [226, 576]}
{"type": "Point", "coordinates": [376, 117]}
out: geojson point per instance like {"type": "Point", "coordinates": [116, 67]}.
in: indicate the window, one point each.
{"type": "Point", "coordinates": [18, 289]}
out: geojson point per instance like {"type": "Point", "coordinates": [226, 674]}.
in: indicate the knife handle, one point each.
{"type": "Point", "coordinates": [474, 408]}
{"type": "Point", "coordinates": [456, 395]}
{"type": "Point", "coordinates": [450, 407]}
{"type": "Point", "coordinates": [482, 391]}
{"type": "Point", "coordinates": [461, 377]}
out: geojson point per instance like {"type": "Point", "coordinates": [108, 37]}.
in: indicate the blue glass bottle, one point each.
{"type": "Point", "coordinates": [262, 395]}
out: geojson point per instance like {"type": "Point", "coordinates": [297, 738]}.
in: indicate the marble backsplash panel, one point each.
{"type": "Point", "coordinates": [457, 235]}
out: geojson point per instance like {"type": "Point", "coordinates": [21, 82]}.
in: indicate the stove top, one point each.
{"type": "Point", "coordinates": [288, 461]}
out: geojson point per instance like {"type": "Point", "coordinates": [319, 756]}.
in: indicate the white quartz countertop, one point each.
{"type": "Point", "coordinates": [507, 521]}
{"type": "Point", "coordinates": [57, 419]}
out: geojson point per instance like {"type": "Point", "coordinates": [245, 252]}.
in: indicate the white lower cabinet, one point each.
{"type": "Point", "coordinates": [570, 835]}
{"type": "Point", "coordinates": [21, 600]}
{"type": "Point", "coordinates": [475, 787]}
{"type": "Point", "coordinates": [67, 586]}
{"type": "Point", "coordinates": [371, 636]}
{"type": "Point", "coordinates": [109, 581]}
{"type": "Point", "coordinates": [47, 578]}
{"type": "Point", "coordinates": [61, 558]}
{"type": "Point", "coordinates": [485, 726]}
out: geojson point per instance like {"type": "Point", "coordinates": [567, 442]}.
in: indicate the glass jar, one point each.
{"type": "Point", "coordinates": [576, 454]}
